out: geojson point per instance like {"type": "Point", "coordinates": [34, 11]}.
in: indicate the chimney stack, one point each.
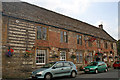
{"type": "Point", "coordinates": [101, 26]}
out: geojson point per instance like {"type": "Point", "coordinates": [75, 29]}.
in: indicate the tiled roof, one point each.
{"type": "Point", "coordinates": [31, 12]}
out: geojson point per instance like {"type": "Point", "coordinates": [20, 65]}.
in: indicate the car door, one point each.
{"type": "Point", "coordinates": [67, 68]}
{"type": "Point", "coordinates": [104, 66]}
{"type": "Point", "coordinates": [99, 67]}
{"type": "Point", "coordinates": [57, 69]}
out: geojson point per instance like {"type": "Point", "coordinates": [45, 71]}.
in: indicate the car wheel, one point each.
{"type": "Point", "coordinates": [85, 72]}
{"type": "Point", "coordinates": [106, 70]}
{"type": "Point", "coordinates": [114, 67]}
{"type": "Point", "coordinates": [48, 77]}
{"type": "Point", "coordinates": [73, 74]}
{"type": "Point", "coordinates": [96, 71]}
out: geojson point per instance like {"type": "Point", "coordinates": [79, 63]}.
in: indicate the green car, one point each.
{"type": "Point", "coordinates": [96, 67]}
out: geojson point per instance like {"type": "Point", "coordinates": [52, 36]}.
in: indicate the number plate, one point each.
{"type": "Point", "coordinates": [87, 70]}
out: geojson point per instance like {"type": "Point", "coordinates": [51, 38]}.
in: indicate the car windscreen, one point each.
{"type": "Point", "coordinates": [93, 64]}
{"type": "Point", "coordinates": [49, 65]}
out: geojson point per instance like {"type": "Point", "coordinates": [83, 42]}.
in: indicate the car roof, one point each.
{"type": "Point", "coordinates": [63, 61]}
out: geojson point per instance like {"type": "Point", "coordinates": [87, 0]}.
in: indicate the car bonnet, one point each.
{"type": "Point", "coordinates": [38, 70]}
{"type": "Point", "coordinates": [90, 66]}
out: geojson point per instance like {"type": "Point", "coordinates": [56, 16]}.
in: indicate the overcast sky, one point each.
{"type": "Point", "coordinates": [93, 12]}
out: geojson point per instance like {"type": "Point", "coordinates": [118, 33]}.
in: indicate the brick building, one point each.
{"type": "Point", "coordinates": [49, 36]}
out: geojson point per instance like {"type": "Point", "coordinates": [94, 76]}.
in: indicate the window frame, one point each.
{"type": "Point", "coordinates": [42, 32]}
{"type": "Point", "coordinates": [78, 54]}
{"type": "Point", "coordinates": [90, 58]}
{"type": "Point", "coordinates": [98, 44]}
{"type": "Point", "coordinates": [64, 36]}
{"type": "Point", "coordinates": [45, 53]}
{"type": "Point", "coordinates": [79, 39]}
{"type": "Point", "coordinates": [90, 44]}
{"type": "Point", "coordinates": [111, 45]}
{"type": "Point", "coordinates": [105, 45]}
{"type": "Point", "coordinates": [62, 56]}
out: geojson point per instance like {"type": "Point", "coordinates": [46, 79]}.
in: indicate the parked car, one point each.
{"type": "Point", "coordinates": [116, 64]}
{"type": "Point", "coordinates": [55, 69]}
{"type": "Point", "coordinates": [96, 67]}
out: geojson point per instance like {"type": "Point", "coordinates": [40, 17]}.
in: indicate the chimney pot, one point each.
{"type": "Point", "coordinates": [101, 26]}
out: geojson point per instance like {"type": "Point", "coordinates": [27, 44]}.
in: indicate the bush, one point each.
{"type": "Point", "coordinates": [80, 68]}
{"type": "Point", "coordinates": [73, 56]}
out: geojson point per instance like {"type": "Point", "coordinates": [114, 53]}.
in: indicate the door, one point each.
{"type": "Point", "coordinates": [100, 67]}
{"type": "Point", "coordinates": [104, 66]}
{"type": "Point", "coordinates": [67, 68]}
{"type": "Point", "coordinates": [57, 69]}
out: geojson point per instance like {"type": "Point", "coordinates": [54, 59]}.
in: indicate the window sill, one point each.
{"type": "Point", "coordinates": [40, 64]}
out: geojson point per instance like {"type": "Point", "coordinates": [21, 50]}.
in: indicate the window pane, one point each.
{"type": "Point", "coordinates": [59, 65]}
{"type": "Point", "coordinates": [81, 57]}
{"type": "Point", "coordinates": [66, 64]}
{"type": "Point", "coordinates": [106, 45]}
{"type": "Point", "coordinates": [61, 39]}
{"type": "Point", "coordinates": [65, 33]}
{"type": "Point", "coordinates": [98, 43]}
{"type": "Point", "coordinates": [77, 39]}
{"type": "Point", "coordinates": [111, 45]}
{"type": "Point", "coordinates": [89, 43]}
{"type": "Point", "coordinates": [80, 40]}
{"type": "Point", "coordinates": [44, 33]}
{"type": "Point", "coordinates": [77, 56]}
{"type": "Point", "coordinates": [65, 37]}
{"type": "Point", "coordinates": [39, 32]}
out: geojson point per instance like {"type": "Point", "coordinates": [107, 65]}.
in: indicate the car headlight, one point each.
{"type": "Point", "coordinates": [83, 68]}
{"type": "Point", "coordinates": [40, 72]}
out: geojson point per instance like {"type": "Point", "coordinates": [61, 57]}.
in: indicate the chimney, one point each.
{"type": "Point", "coordinates": [101, 26]}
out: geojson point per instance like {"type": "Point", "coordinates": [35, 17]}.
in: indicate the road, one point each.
{"type": "Point", "coordinates": [113, 74]}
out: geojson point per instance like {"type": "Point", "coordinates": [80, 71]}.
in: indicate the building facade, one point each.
{"type": "Point", "coordinates": [33, 36]}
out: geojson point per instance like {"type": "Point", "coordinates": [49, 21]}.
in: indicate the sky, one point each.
{"type": "Point", "coordinates": [93, 12]}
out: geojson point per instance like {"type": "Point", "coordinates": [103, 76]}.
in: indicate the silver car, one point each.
{"type": "Point", "coordinates": [55, 69]}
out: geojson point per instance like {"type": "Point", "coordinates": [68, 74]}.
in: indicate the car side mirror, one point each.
{"type": "Point", "coordinates": [54, 67]}
{"type": "Point", "coordinates": [99, 65]}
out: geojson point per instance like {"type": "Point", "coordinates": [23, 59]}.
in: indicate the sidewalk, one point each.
{"type": "Point", "coordinates": [82, 72]}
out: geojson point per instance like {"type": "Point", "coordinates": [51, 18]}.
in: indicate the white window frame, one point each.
{"type": "Point", "coordinates": [61, 56]}
{"type": "Point", "coordinates": [38, 51]}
